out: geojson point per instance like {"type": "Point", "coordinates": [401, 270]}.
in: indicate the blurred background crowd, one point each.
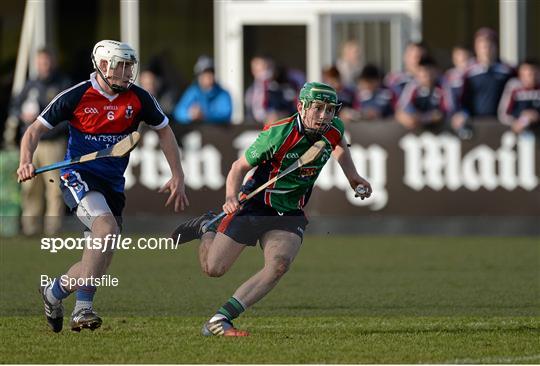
{"type": "Point", "coordinates": [421, 95]}
{"type": "Point", "coordinates": [448, 79]}
{"type": "Point", "coordinates": [432, 89]}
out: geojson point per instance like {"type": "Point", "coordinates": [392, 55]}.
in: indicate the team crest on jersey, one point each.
{"type": "Point", "coordinates": [129, 111]}
{"type": "Point", "coordinates": [307, 172]}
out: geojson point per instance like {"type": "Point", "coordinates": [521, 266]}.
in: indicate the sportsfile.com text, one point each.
{"type": "Point", "coordinates": [109, 242]}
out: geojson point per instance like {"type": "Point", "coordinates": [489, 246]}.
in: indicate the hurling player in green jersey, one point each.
{"type": "Point", "coordinates": [274, 217]}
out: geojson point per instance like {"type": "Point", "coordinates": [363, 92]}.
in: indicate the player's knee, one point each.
{"type": "Point", "coordinates": [279, 266]}
{"type": "Point", "coordinates": [214, 270]}
{"type": "Point", "coordinates": [104, 225]}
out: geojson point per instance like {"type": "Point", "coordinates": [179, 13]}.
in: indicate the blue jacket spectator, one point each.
{"type": "Point", "coordinates": [205, 100]}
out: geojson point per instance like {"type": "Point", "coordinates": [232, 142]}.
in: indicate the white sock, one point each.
{"type": "Point", "coordinates": [50, 297]}
{"type": "Point", "coordinates": [82, 305]}
{"type": "Point", "coordinates": [217, 317]}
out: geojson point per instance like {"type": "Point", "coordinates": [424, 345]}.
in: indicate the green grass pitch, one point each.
{"type": "Point", "coordinates": [386, 299]}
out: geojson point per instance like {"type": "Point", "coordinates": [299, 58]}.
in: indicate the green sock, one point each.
{"type": "Point", "coordinates": [232, 309]}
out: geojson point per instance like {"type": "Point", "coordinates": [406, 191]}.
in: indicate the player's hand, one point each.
{"type": "Point", "coordinates": [359, 182]}
{"type": "Point", "coordinates": [458, 120]}
{"type": "Point", "coordinates": [531, 114]}
{"type": "Point", "coordinates": [25, 172]}
{"type": "Point", "coordinates": [195, 112]}
{"type": "Point", "coordinates": [231, 205]}
{"type": "Point", "coordinates": [177, 193]}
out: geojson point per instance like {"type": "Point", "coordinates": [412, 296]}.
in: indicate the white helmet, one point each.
{"type": "Point", "coordinates": [116, 54]}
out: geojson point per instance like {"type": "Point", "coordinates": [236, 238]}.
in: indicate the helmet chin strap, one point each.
{"type": "Point", "coordinates": [115, 88]}
{"type": "Point", "coordinates": [312, 134]}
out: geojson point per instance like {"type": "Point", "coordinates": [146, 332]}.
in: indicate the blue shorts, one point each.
{"type": "Point", "coordinates": [248, 224]}
{"type": "Point", "coordinates": [76, 184]}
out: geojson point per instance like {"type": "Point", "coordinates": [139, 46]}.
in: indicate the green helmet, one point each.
{"type": "Point", "coordinates": [314, 91]}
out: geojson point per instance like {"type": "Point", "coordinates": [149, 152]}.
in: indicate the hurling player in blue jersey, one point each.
{"type": "Point", "coordinates": [101, 111]}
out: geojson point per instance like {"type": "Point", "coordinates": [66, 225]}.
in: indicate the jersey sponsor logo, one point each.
{"type": "Point", "coordinates": [129, 111]}
{"type": "Point", "coordinates": [113, 139]}
{"type": "Point", "coordinates": [91, 110]}
{"type": "Point", "coordinates": [307, 172]}
{"type": "Point", "coordinates": [110, 108]}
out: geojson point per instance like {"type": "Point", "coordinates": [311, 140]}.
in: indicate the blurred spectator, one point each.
{"type": "Point", "coordinates": [483, 82]}
{"type": "Point", "coordinates": [205, 100]}
{"type": "Point", "coordinates": [412, 55]}
{"type": "Point", "coordinates": [423, 102]}
{"type": "Point", "coordinates": [256, 98]}
{"type": "Point", "coordinates": [372, 100]}
{"type": "Point", "coordinates": [520, 104]}
{"type": "Point", "coordinates": [296, 77]}
{"type": "Point", "coordinates": [39, 196]}
{"type": "Point", "coordinates": [453, 78]}
{"type": "Point", "coordinates": [332, 77]}
{"type": "Point", "coordinates": [281, 95]}
{"type": "Point", "coordinates": [272, 95]}
{"type": "Point", "coordinates": [350, 62]}
{"type": "Point", "coordinates": [152, 83]}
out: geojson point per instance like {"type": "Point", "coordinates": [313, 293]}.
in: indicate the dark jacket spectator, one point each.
{"type": "Point", "coordinates": [38, 92]}
{"type": "Point", "coordinates": [332, 77]}
{"type": "Point", "coordinates": [424, 102]}
{"type": "Point", "coordinates": [412, 55]}
{"type": "Point", "coordinates": [256, 97]}
{"type": "Point", "coordinates": [153, 83]}
{"type": "Point", "coordinates": [42, 204]}
{"type": "Point", "coordinates": [272, 95]}
{"type": "Point", "coordinates": [453, 78]}
{"type": "Point", "coordinates": [519, 107]}
{"type": "Point", "coordinates": [483, 82]}
{"type": "Point", "coordinates": [372, 100]}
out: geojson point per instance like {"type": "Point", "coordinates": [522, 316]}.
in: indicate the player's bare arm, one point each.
{"type": "Point", "coordinates": [29, 144]}
{"type": "Point", "coordinates": [342, 154]}
{"type": "Point", "coordinates": [234, 181]}
{"type": "Point", "coordinates": [175, 186]}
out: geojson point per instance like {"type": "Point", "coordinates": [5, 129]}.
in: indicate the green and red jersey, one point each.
{"type": "Point", "coordinates": [278, 146]}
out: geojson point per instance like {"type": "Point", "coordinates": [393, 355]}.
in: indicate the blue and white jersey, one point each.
{"type": "Point", "coordinates": [98, 120]}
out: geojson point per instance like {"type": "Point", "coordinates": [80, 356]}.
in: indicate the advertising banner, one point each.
{"type": "Point", "coordinates": [412, 173]}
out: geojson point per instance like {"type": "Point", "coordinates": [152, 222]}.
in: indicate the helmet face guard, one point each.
{"type": "Point", "coordinates": [122, 64]}
{"type": "Point", "coordinates": [319, 106]}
